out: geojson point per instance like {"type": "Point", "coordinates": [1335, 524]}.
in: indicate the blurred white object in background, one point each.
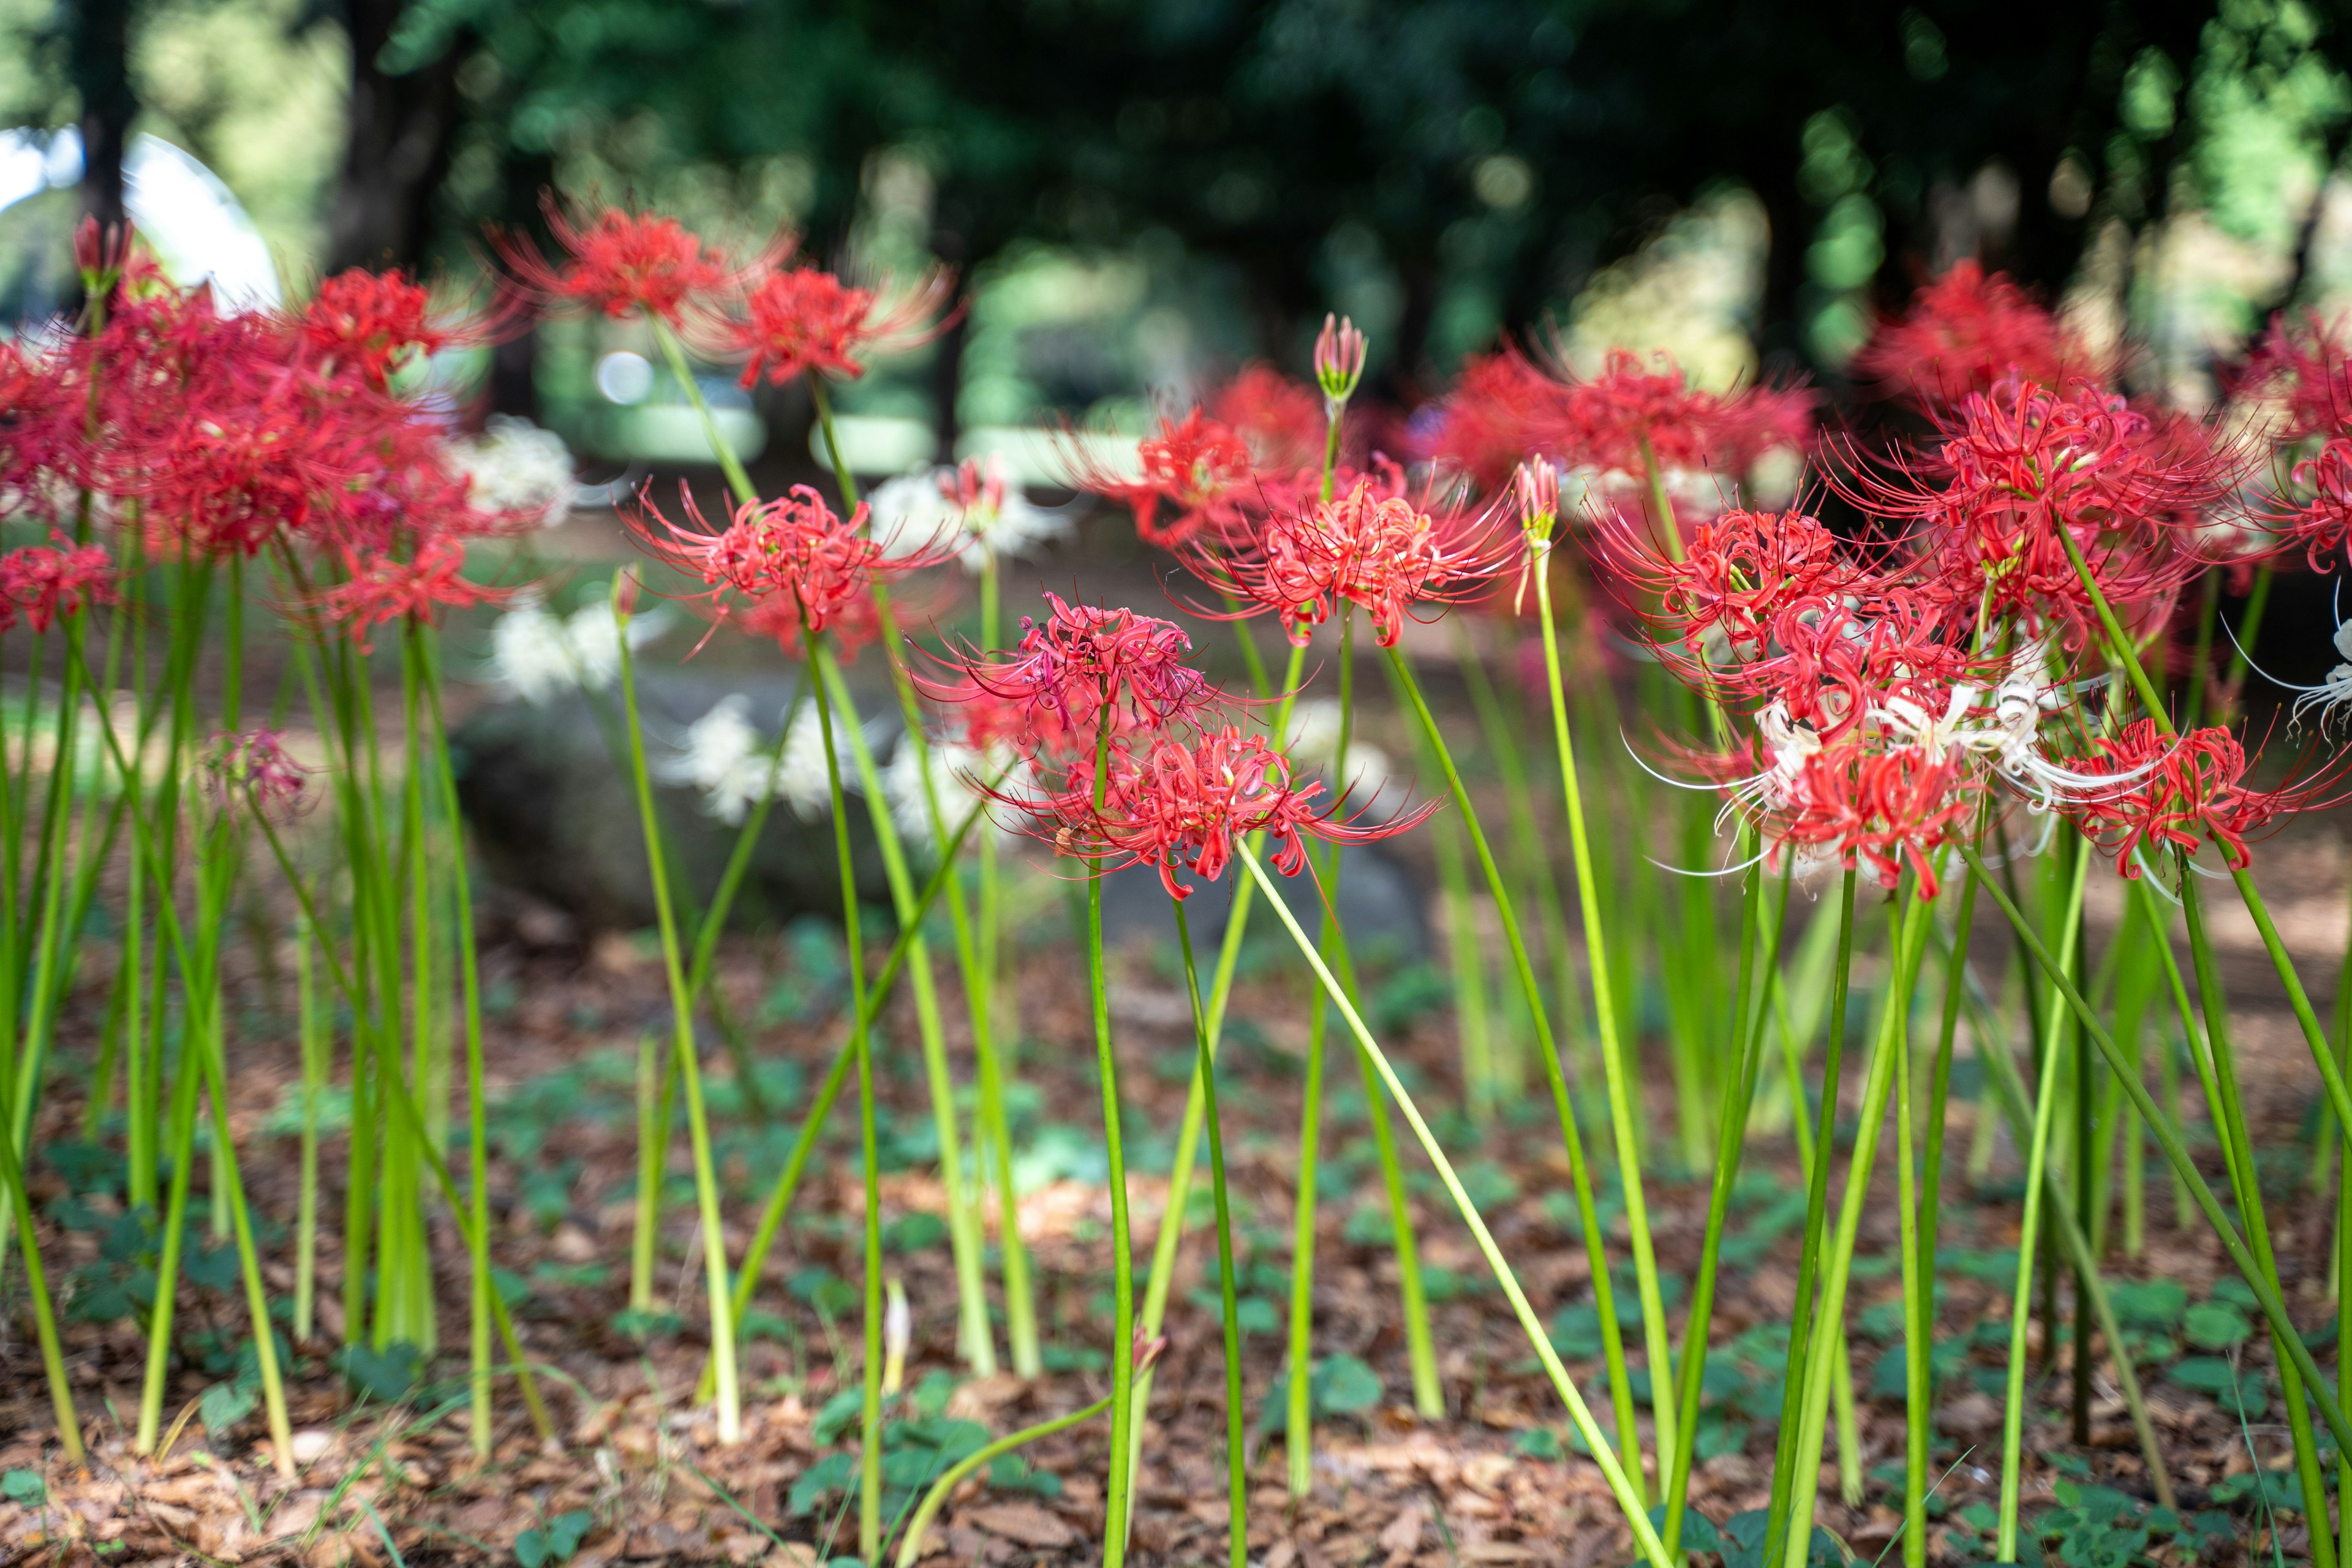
{"type": "Point", "coordinates": [516, 467]}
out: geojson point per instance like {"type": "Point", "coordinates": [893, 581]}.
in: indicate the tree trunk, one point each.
{"type": "Point", "coordinates": [398, 150]}
{"type": "Point", "coordinates": [100, 64]}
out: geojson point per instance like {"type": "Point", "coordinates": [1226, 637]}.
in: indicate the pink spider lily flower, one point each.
{"type": "Point", "coordinates": [49, 581]}
{"type": "Point", "coordinates": [2167, 792]}
{"type": "Point", "coordinates": [2321, 525]}
{"type": "Point", "coordinates": [1183, 806]}
{"type": "Point", "coordinates": [1280, 421]}
{"type": "Point", "coordinates": [793, 552]}
{"type": "Point", "coordinates": [254, 768]}
{"type": "Point", "coordinates": [383, 588]}
{"type": "Point", "coordinates": [803, 321]}
{"type": "Point", "coordinates": [1197, 470]}
{"type": "Point", "coordinates": [1965, 332]}
{"type": "Point", "coordinates": [368, 322]}
{"type": "Point", "coordinates": [621, 263]}
{"type": "Point", "coordinates": [1081, 669]}
{"type": "Point", "coordinates": [2306, 366]}
{"type": "Point", "coordinates": [1380, 551]}
{"type": "Point", "coordinates": [2014, 467]}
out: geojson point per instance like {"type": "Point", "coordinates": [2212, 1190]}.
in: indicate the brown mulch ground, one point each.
{"type": "Point", "coordinates": [377, 1483]}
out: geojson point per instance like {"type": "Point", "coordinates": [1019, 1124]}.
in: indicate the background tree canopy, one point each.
{"type": "Point", "coordinates": [1441, 169]}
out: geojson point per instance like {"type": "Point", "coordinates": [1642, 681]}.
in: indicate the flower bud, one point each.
{"type": "Point", "coordinates": [1148, 1351]}
{"type": "Point", "coordinates": [1537, 485]}
{"type": "Point", "coordinates": [624, 593]}
{"type": "Point", "coordinates": [1339, 359]}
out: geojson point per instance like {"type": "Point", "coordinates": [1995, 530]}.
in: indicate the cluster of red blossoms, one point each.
{"type": "Point", "coordinates": [1900, 673]}
{"type": "Point", "coordinates": [210, 436]}
{"type": "Point", "coordinates": [1128, 756]}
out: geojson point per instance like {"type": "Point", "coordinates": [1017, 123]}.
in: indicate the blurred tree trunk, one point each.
{"type": "Point", "coordinates": [398, 150]}
{"type": "Point", "coordinates": [99, 58]}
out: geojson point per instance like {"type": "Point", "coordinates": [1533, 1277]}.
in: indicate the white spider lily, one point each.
{"type": "Point", "coordinates": [958, 773]}
{"type": "Point", "coordinates": [516, 467]}
{"type": "Point", "coordinates": [536, 654]}
{"type": "Point", "coordinates": [2332, 696]}
{"type": "Point", "coordinates": [926, 510]}
{"type": "Point", "coordinates": [724, 756]}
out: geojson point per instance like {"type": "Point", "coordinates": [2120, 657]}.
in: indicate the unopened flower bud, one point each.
{"type": "Point", "coordinates": [624, 593]}
{"type": "Point", "coordinates": [897, 1335]}
{"type": "Point", "coordinates": [101, 254]}
{"type": "Point", "coordinates": [1339, 359]}
{"type": "Point", "coordinates": [1148, 1351]}
{"type": "Point", "coordinates": [1537, 485]}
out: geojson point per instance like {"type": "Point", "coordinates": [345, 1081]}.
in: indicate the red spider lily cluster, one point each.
{"type": "Point", "coordinates": [43, 582]}
{"type": "Point", "coordinates": [1129, 758]}
{"type": "Point", "coordinates": [1968, 330]}
{"type": "Point", "coordinates": [211, 436]}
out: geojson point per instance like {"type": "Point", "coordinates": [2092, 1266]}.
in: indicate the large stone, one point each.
{"type": "Point", "coordinates": [1381, 904]}
{"type": "Point", "coordinates": [546, 789]}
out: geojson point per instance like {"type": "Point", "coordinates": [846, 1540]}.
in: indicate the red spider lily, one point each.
{"type": "Point", "coordinates": [2017, 465]}
{"type": "Point", "coordinates": [2321, 525]}
{"type": "Point", "coordinates": [1380, 551]}
{"type": "Point", "coordinates": [1501, 410]}
{"type": "Point", "coordinates": [1082, 671]}
{"type": "Point", "coordinates": [1869, 809]}
{"type": "Point", "coordinates": [1738, 575]}
{"type": "Point", "coordinates": [47, 582]}
{"type": "Point", "coordinates": [794, 550]}
{"type": "Point", "coordinates": [1198, 467]}
{"type": "Point", "coordinates": [254, 768]}
{"type": "Point", "coordinates": [1605, 422]}
{"type": "Point", "coordinates": [1964, 334]}
{"type": "Point", "coordinates": [2174, 793]}
{"type": "Point", "coordinates": [855, 626]}
{"type": "Point", "coordinates": [367, 321]}
{"type": "Point", "coordinates": [805, 320]}
{"type": "Point", "coordinates": [1281, 421]}
{"type": "Point", "coordinates": [2304, 364]}
{"type": "Point", "coordinates": [619, 262]}
{"type": "Point", "coordinates": [382, 589]}
{"type": "Point", "coordinates": [1183, 806]}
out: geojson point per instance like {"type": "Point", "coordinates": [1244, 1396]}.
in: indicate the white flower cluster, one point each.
{"type": "Point", "coordinates": [960, 775]}
{"type": "Point", "coordinates": [536, 653]}
{"type": "Point", "coordinates": [735, 767]}
{"type": "Point", "coordinates": [516, 467]}
{"type": "Point", "coordinates": [974, 510]}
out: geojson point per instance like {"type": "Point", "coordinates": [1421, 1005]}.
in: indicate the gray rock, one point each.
{"type": "Point", "coordinates": [546, 789]}
{"type": "Point", "coordinates": [1381, 905]}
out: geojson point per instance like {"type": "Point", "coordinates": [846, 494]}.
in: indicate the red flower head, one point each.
{"type": "Point", "coordinates": [254, 768]}
{"type": "Point", "coordinates": [806, 320]}
{"type": "Point", "coordinates": [1184, 806]}
{"type": "Point", "coordinates": [1965, 332]}
{"type": "Point", "coordinates": [618, 262]}
{"type": "Point", "coordinates": [47, 582]}
{"type": "Point", "coordinates": [366, 322]}
{"type": "Point", "coordinates": [1196, 467]}
{"type": "Point", "coordinates": [1278, 420]}
{"type": "Point", "coordinates": [1369, 546]}
{"type": "Point", "coordinates": [2322, 524]}
{"type": "Point", "coordinates": [1604, 422]}
{"type": "Point", "coordinates": [2174, 792]}
{"type": "Point", "coordinates": [383, 588]}
{"type": "Point", "coordinates": [1502, 411]}
{"type": "Point", "coordinates": [1860, 807]}
{"type": "Point", "coordinates": [2305, 365]}
{"type": "Point", "coordinates": [2016, 465]}
{"type": "Point", "coordinates": [1083, 667]}
{"type": "Point", "coordinates": [794, 551]}
{"type": "Point", "coordinates": [1739, 574]}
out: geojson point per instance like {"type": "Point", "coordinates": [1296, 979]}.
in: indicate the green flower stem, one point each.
{"type": "Point", "coordinates": [918, 1527]}
{"type": "Point", "coordinates": [963, 1227]}
{"type": "Point", "coordinates": [311, 1030]}
{"type": "Point", "coordinates": [45, 1321]}
{"type": "Point", "coordinates": [861, 1040]}
{"type": "Point", "coordinates": [1761, 929]}
{"type": "Point", "coordinates": [2016, 1108]}
{"type": "Point", "coordinates": [706, 1172]}
{"type": "Point", "coordinates": [1617, 1073]}
{"type": "Point", "coordinates": [1654, 1310]}
{"type": "Point", "coordinates": [1620, 1482]}
{"type": "Point", "coordinates": [1236, 1438]}
{"type": "Point", "coordinates": [1474, 1030]}
{"type": "Point", "coordinates": [2250, 627]}
{"type": "Point", "coordinates": [674, 354]}
{"type": "Point", "coordinates": [1919, 1258]}
{"type": "Point", "coordinates": [1911, 923]}
{"type": "Point", "coordinates": [779, 1198]}
{"type": "Point", "coordinates": [2230, 1121]}
{"type": "Point", "coordinates": [2047, 1095]}
{"type": "Point", "coordinates": [1119, 1488]}
{"type": "Point", "coordinates": [2266, 1295]}
{"type": "Point", "coordinates": [477, 1153]}
{"type": "Point", "coordinates": [1816, 1155]}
